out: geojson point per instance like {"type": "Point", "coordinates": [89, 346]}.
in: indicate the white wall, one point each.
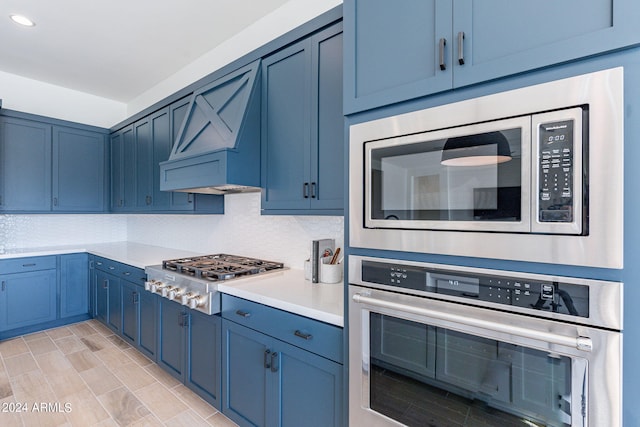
{"type": "Point", "coordinates": [289, 16]}
{"type": "Point", "coordinates": [33, 96]}
{"type": "Point", "coordinates": [241, 231]}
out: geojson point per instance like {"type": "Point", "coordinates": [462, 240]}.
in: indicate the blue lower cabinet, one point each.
{"type": "Point", "coordinates": [27, 298]}
{"type": "Point", "coordinates": [204, 356]}
{"type": "Point", "coordinates": [74, 285]}
{"type": "Point", "coordinates": [139, 318]}
{"type": "Point", "coordinates": [189, 349]}
{"type": "Point", "coordinates": [101, 309]}
{"type": "Point", "coordinates": [171, 354]}
{"type": "Point", "coordinates": [114, 304]}
{"type": "Point", "coordinates": [268, 382]}
{"type": "Point", "coordinates": [130, 304]}
{"type": "Point", "coordinates": [148, 324]}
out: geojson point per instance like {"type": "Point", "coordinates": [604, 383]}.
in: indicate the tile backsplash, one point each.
{"type": "Point", "coordinates": [30, 231]}
{"type": "Point", "coordinates": [241, 230]}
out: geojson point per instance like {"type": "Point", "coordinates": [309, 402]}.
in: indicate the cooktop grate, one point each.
{"type": "Point", "coordinates": [220, 266]}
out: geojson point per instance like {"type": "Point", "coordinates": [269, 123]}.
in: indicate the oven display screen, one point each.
{"type": "Point", "coordinates": [458, 285]}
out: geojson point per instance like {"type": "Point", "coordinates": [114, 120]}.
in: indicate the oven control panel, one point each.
{"type": "Point", "coordinates": [551, 296]}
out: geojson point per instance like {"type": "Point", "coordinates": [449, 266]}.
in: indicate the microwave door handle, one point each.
{"type": "Point", "coordinates": [580, 343]}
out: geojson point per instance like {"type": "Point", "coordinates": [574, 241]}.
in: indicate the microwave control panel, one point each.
{"type": "Point", "coordinates": [556, 172]}
{"type": "Point", "coordinates": [551, 296]}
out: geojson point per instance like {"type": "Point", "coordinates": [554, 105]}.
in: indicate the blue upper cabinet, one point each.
{"type": "Point", "coordinates": [302, 127]}
{"type": "Point", "coordinates": [136, 153]}
{"type": "Point", "coordinates": [429, 46]}
{"type": "Point", "coordinates": [46, 167]}
{"type": "Point", "coordinates": [123, 170]}
{"type": "Point", "coordinates": [79, 170]}
{"type": "Point", "coordinates": [25, 156]}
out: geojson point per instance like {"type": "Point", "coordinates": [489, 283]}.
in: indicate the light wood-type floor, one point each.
{"type": "Point", "coordinates": [84, 375]}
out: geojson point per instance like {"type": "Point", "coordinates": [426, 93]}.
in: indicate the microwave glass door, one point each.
{"type": "Point", "coordinates": [426, 375]}
{"type": "Point", "coordinates": [473, 177]}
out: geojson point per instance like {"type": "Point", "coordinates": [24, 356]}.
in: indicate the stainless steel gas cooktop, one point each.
{"type": "Point", "coordinates": [193, 281]}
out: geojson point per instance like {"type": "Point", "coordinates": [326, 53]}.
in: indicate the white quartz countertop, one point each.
{"type": "Point", "coordinates": [286, 290]}
{"type": "Point", "coordinates": [289, 291]}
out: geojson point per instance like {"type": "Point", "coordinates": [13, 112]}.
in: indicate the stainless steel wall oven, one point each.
{"type": "Point", "coordinates": [439, 345]}
{"type": "Point", "coordinates": [538, 169]}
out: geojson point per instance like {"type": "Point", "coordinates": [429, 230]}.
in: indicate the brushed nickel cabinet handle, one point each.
{"type": "Point", "coordinates": [302, 335]}
{"type": "Point", "coordinates": [442, 44]}
{"type": "Point", "coordinates": [461, 48]}
{"type": "Point", "coordinates": [242, 313]}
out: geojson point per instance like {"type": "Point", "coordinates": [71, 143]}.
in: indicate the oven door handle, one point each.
{"type": "Point", "coordinates": [581, 343]}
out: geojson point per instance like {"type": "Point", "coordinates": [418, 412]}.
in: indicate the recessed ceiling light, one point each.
{"type": "Point", "coordinates": [22, 20]}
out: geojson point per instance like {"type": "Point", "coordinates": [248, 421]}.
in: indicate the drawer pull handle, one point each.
{"type": "Point", "coordinates": [105, 284]}
{"type": "Point", "coordinates": [302, 335]}
{"type": "Point", "coordinates": [33, 264]}
{"type": "Point", "coordinates": [127, 273]}
{"type": "Point", "coordinates": [242, 313]}
{"type": "Point", "coordinates": [4, 286]}
{"type": "Point", "coordinates": [274, 362]}
{"type": "Point", "coordinates": [112, 268]}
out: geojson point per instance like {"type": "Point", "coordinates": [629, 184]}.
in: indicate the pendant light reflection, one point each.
{"type": "Point", "coordinates": [22, 20]}
{"type": "Point", "coordinates": [476, 150]}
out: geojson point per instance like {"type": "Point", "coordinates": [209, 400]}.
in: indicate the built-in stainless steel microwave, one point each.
{"type": "Point", "coordinates": [530, 174]}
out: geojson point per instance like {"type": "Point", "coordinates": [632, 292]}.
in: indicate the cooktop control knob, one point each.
{"type": "Point", "coordinates": [156, 286]}
{"type": "Point", "coordinates": [196, 301]}
{"type": "Point", "coordinates": [175, 293]}
{"type": "Point", "coordinates": [165, 291]}
{"type": "Point", "coordinates": [184, 298]}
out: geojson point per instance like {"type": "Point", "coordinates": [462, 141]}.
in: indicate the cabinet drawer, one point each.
{"type": "Point", "coordinates": [312, 335]}
{"type": "Point", "coordinates": [20, 265]}
{"type": "Point", "coordinates": [107, 265]}
{"type": "Point", "coordinates": [134, 275]}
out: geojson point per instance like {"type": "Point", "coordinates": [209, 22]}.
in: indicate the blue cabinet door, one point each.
{"type": "Point", "coordinates": [205, 356]}
{"type": "Point", "coordinates": [394, 51]}
{"type": "Point", "coordinates": [123, 170]}
{"type": "Point", "coordinates": [286, 123]}
{"type": "Point", "coordinates": [130, 311]}
{"type": "Point", "coordinates": [309, 387]}
{"type": "Point", "coordinates": [503, 38]}
{"type": "Point", "coordinates": [177, 113]}
{"type": "Point", "coordinates": [114, 304]}
{"type": "Point", "coordinates": [244, 386]}
{"type": "Point", "coordinates": [143, 164]}
{"type": "Point", "coordinates": [102, 296]}
{"type": "Point", "coordinates": [74, 284]}
{"type": "Point", "coordinates": [327, 126]}
{"type": "Point", "coordinates": [27, 298]}
{"type": "Point", "coordinates": [160, 123]}
{"type": "Point", "coordinates": [25, 165]}
{"type": "Point", "coordinates": [79, 170]}
{"type": "Point", "coordinates": [172, 349]}
{"type": "Point", "coordinates": [148, 324]}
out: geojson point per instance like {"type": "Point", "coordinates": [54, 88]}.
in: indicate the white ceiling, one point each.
{"type": "Point", "coordinates": [117, 49]}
